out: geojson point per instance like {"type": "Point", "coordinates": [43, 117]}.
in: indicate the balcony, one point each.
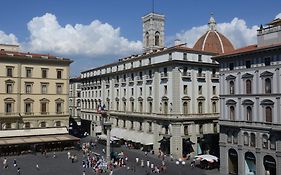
{"type": "Point", "coordinates": [186, 75]}
{"type": "Point", "coordinates": [139, 79]}
{"type": "Point", "coordinates": [215, 76]}
{"type": "Point", "coordinates": [164, 75]}
{"type": "Point", "coordinates": [116, 83]}
{"type": "Point", "coordinates": [201, 76]}
{"type": "Point", "coordinates": [131, 80]}
{"type": "Point", "coordinates": [123, 82]}
{"type": "Point", "coordinates": [149, 77]}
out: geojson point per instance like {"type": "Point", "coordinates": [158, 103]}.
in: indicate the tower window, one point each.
{"type": "Point", "coordinates": [157, 36]}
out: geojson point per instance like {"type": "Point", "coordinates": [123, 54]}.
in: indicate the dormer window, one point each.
{"type": "Point", "coordinates": [248, 64]}
{"type": "Point", "coordinates": [267, 61]}
{"type": "Point", "coordinates": [231, 66]}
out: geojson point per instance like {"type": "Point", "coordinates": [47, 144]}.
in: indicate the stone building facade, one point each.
{"type": "Point", "coordinates": [75, 99]}
{"type": "Point", "coordinates": [250, 91]}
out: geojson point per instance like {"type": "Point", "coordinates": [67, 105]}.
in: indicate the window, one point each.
{"type": "Point", "coordinates": [249, 114]}
{"type": "Point", "coordinates": [200, 90]}
{"type": "Point", "coordinates": [150, 74]}
{"type": "Point", "coordinates": [141, 106]}
{"type": "Point", "coordinates": [150, 107]}
{"type": "Point", "coordinates": [124, 123]}
{"type": "Point", "coordinates": [248, 64]}
{"type": "Point", "coordinates": [231, 66]}
{"type": "Point", "coordinates": [59, 108]}
{"type": "Point", "coordinates": [132, 106]}
{"type": "Point", "coordinates": [235, 137]}
{"type": "Point", "coordinates": [232, 112]}
{"type": "Point", "coordinates": [199, 58]}
{"type": "Point", "coordinates": [246, 139]}
{"type": "Point", "coordinates": [214, 107]}
{"type": "Point", "coordinates": [43, 124]}
{"type": "Point", "coordinates": [27, 125]}
{"type": "Point", "coordinates": [214, 90]}
{"type": "Point", "coordinates": [248, 87]}
{"type": "Point", "coordinates": [124, 106]}
{"type": "Point", "coordinates": [267, 61]}
{"type": "Point", "coordinates": [117, 92]}
{"type": "Point", "coordinates": [165, 89]}
{"type": "Point", "coordinates": [132, 125]}
{"type": "Point", "coordinates": [265, 141]}
{"type": "Point", "coordinates": [140, 91]}
{"type": "Point", "coordinates": [132, 91]}
{"type": "Point", "coordinates": [231, 87]}
{"type": "Point", "coordinates": [267, 85]}
{"type": "Point", "coordinates": [157, 35]}
{"type": "Point", "coordinates": [170, 56]}
{"type": "Point", "coordinates": [8, 107]}
{"type": "Point", "coordinates": [149, 126]}
{"type": "Point", "coordinates": [185, 108]}
{"type": "Point", "coordinates": [9, 72]}
{"type": "Point", "coordinates": [43, 107]}
{"type": "Point", "coordinates": [149, 60]}
{"type": "Point", "coordinates": [253, 140]}
{"type": "Point", "coordinates": [185, 89]}
{"type": "Point", "coordinates": [117, 106]}
{"type": "Point", "coordinates": [185, 56]}
{"type": "Point", "coordinates": [59, 74]}
{"type": "Point", "coordinates": [44, 73]}
{"type": "Point", "coordinates": [200, 107]}
{"type": "Point", "coordinates": [132, 65]}
{"type": "Point", "coordinates": [44, 89]}
{"type": "Point", "coordinates": [185, 130]}
{"type": "Point", "coordinates": [140, 74]}
{"type": "Point", "coordinates": [150, 90]}
{"type": "Point", "coordinates": [147, 38]}
{"type": "Point", "coordinates": [59, 88]}
{"type": "Point", "coordinates": [28, 72]}
{"type": "Point", "coordinates": [124, 92]}
{"type": "Point", "coordinates": [200, 129]}
{"type": "Point", "coordinates": [268, 114]}
{"type": "Point", "coordinates": [28, 108]}
{"type": "Point", "coordinates": [229, 137]}
{"type": "Point", "coordinates": [9, 88]}
{"type": "Point", "coordinates": [165, 72]}
{"type": "Point", "coordinates": [28, 89]}
{"type": "Point", "coordinates": [140, 63]}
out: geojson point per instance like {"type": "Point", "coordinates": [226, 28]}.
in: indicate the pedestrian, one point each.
{"type": "Point", "coordinates": [111, 172]}
{"type": "Point", "coordinates": [5, 163]}
{"type": "Point", "coordinates": [147, 163]}
{"type": "Point", "coordinates": [54, 155]}
{"type": "Point", "coordinates": [152, 166]}
{"type": "Point", "coordinates": [15, 162]}
{"type": "Point", "coordinates": [18, 171]}
{"type": "Point", "coordinates": [103, 150]}
{"type": "Point", "coordinates": [142, 163]}
{"type": "Point", "coordinates": [137, 160]}
{"type": "Point", "coordinates": [68, 155]}
{"type": "Point", "coordinates": [145, 153]}
{"type": "Point", "coordinates": [84, 173]}
{"type": "Point", "coordinates": [37, 166]}
{"type": "Point", "coordinates": [171, 156]}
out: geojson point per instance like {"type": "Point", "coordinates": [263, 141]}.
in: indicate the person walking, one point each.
{"type": "Point", "coordinates": [18, 171]}
{"type": "Point", "coordinates": [84, 172]}
{"type": "Point", "coordinates": [5, 163]}
{"type": "Point", "coordinates": [37, 167]}
{"type": "Point", "coordinates": [54, 155]}
{"type": "Point", "coordinates": [142, 163]}
{"type": "Point", "coordinates": [68, 155]}
{"type": "Point", "coordinates": [15, 162]}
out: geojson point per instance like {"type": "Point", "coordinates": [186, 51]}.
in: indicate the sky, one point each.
{"type": "Point", "coordinates": [97, 32]}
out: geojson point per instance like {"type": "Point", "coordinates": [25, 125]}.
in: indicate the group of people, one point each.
{"type": "Point", "coordinates": [6, 165]}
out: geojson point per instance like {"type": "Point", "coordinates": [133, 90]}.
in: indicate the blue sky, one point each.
{"type": "Point", "coordinates": [96, 32]}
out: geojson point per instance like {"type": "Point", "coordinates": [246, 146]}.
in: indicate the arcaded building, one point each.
{"type": "Point", "coordinates": [250, 120]}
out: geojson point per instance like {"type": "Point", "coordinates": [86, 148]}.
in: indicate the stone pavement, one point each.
{"type": "Point", "coordinates": [63, 166]}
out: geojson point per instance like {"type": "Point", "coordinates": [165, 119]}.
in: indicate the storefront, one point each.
{"type": "Point", "coordinates": [269, 165]}
{"type": "Point", "coordinates": [232, 162]}
{"type": "Point", "coordinates": [250, 163]}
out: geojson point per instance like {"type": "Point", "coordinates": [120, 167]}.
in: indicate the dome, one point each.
{"type": "Point", "coordinates": [213, 41]}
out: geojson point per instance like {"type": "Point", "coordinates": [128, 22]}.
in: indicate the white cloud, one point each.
{"type": "Point", "coordinates": [8, 38]}
{"type": "Point", "coordinates": [236, 31]}
{"type": "Point", "coordinates": [96, 38]}
{"type": "Point", "coordinates": [278, 16]}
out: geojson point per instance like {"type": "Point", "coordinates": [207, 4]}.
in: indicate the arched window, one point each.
{"type": "Point", "coordinates": [248, 86]}
{"type": "Point", "coordinates": [185, 108]}
{"type": "Point", "coordinates": [150, 107]}
{"type": "Point", "coordinates": [132, 106]}
{"type": "Point", "coordinates": [268, 114]}
{"type": "Point", "coordinates": [141, 106]}
{"type": "Point", "coordinates": [147, 38]}
{"type": "Point", "coordinates": [246, 139]}
{"type": "Point", "coordinates": [253, 140]}
{"type": "Point", "coordinates": [157, 36]}
{"type": "Point", "coordinates": [165, 107]}
{"type": "Point", "coordinates": [200, 108]}
{"type": "Point", "coordinates": [231, 87]}
{"type": "Point", "coordinates": [117, 105]}
{"type": "Point", "coordinates": [232, 112]}
{"type": "Point", "coordinates": [124, 106]}
{"type": "Point", "coordinates": [214, 107]}
{"type": "Point", "coordinates": [268, 85]}
{"type": "Point", "coordinates": [249, 114]}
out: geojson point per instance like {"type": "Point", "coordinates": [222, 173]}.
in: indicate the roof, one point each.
{"type": "Point", "coordinates": [246, 50]}
{"type": "Point", "coordinates": [29, 55]}
{"type": "Point", "coordinates": [213, 41]}
{"type": "Point", "coordinates": [179, 48]}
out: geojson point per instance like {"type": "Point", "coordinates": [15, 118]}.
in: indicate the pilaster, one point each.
{"type": "Point", "coordinates": [176, 140]}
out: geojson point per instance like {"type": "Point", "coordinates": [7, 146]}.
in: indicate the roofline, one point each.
{"type": "Point", "coordinates": [179, 48]}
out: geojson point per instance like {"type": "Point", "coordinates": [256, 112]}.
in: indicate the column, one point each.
{"type": "Point", "coordinates": [176, 86]}
{"type": "Point", "coordinates": [176, 140]}
{"type": "Point", "coordinates": [156, 144]}
{"type": "Point", "coordinates": [223, 158]}
{"type": "Point", "coordinates": [259, 163]}
{"type": "Point", "coordinates": [278, 106]}
{"type": "Point", "coordinates": [241, 160]}
{"type": "Point", "coordinates": [155, 92]}
{"type": "Point", "coordinates": [108, 129]}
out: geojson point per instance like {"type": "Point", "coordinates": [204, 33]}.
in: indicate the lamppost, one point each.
{"type": "Point", "coordinates": [107, 126]}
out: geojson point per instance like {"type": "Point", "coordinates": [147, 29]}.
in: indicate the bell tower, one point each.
{"type": "Point", "coordinates": [153, 31]}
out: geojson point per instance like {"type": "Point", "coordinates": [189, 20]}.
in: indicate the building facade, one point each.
{"type": "Point", "coordinates": [250, 121]}
{"type": "Point", "coordinates": [33, 93]}
{"type": "Point", "coordinates": [75, 99]}
{"type": "Point", "coordinates": [164, 98]}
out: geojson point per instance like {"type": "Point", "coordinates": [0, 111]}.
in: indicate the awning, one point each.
{"type": "Point", "coordinates": [104, 137]}
{"type": "Point", "coordinates": [147, 139]}
{"type": "Point", "coordinates": [37, 139]}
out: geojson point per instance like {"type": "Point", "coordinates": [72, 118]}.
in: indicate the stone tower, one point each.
{"type": "Point", "coordinates": [153, 31]}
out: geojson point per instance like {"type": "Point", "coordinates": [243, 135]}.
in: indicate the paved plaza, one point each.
{"type": "Point", "coordinates": [62, 165]}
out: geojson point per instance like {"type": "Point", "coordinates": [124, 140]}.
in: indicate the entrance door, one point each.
{"type": "Point", "coordinates": [269, 165]}
{"type": "Point", "coordinates": [232, 162]}
{"type": "Point", "coordinates": [250, 163]}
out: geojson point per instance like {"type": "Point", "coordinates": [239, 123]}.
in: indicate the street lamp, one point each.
{"type": "Point", "coordinates": [107, 126]}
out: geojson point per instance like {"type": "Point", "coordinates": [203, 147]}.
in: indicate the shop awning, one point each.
{"type": "Point", "coordinates": [37, 139]}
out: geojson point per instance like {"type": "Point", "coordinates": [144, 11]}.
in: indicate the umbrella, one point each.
{"type": "Point", "coordinates": [207, 157]}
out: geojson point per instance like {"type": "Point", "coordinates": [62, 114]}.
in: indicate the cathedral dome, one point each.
{"type": "Point", "coordinates": [213, 41]}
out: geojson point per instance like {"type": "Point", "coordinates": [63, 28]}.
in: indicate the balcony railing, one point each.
{"type": "Point", "coordinates": [201, 75]}
{"type": "Point", "coordinates": [164, 75]}
{"type": "Point", "coordinates": [139, 79]}
{"type": "Point", "coordinates": [186, 75]}
{"type": "Point", "coordinates": [215, 76]}
{"type": "Point", "coordinates": [149, 77]}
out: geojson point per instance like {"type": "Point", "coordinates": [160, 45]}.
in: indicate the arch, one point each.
{"type": "Point", "coordinates": [249, 113]}
{"type": "Point", "coordinates": [230, 102]}
{"type": "Point", "coordinates": [267, 102]}
{"type": "Point", "coordinates": [250, 163]}
{"type": "Point", "coordinates": [232, 161]}
{"type": "Point", "coordinates": [247, 102]}
{"type": "Point", "coordinates": [269, 164]}
{"type": "Point", "coordinates": [232, 112]}
{"type": "Point", "coordinates": [157, 38]}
